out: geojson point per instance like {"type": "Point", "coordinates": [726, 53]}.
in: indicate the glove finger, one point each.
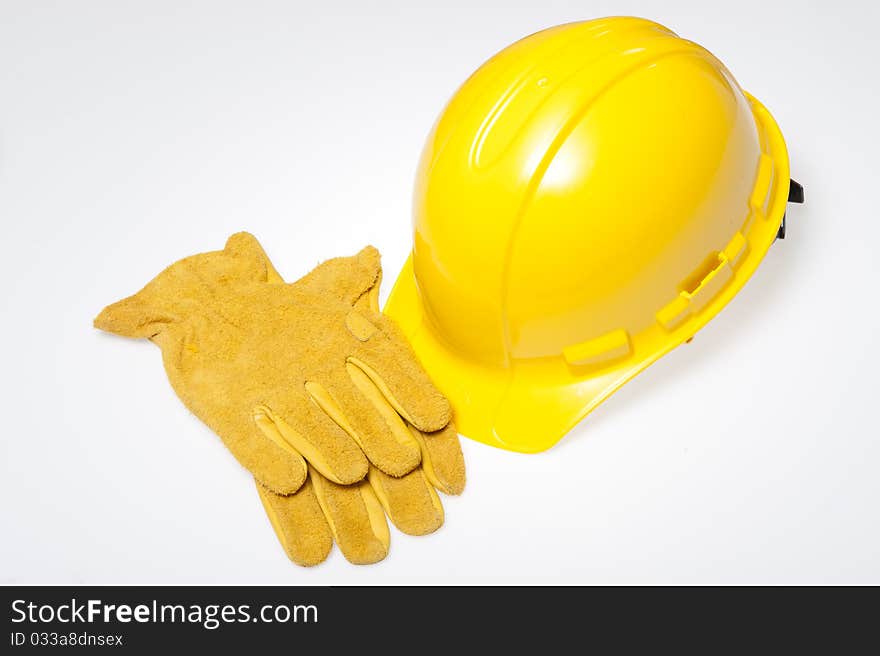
{"type": "Point", "coordinates": [355, 517]}
{"type": "Point", "coordinates": [245, 245]}
{"type": "Point", "coordinates": [368, 303]}
{"type": "Point", "coordinates": [325, 446]}
{"type": "Point", "coordinates": [354, 403]}
{"type": "Point", "coordinates": [299, 523]}
{"type": "Point", "coordinates": [411, 502]}
{"type": "Point", "coordinates": [386, 358]}
{"type": "Point", "coordinates": [442, 459]}
{"type": "Point", "coordinates": [344, 278]}
{"type": "Point", "coordinates": [264, 453]}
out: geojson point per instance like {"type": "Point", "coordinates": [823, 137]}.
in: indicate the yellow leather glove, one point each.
{"type": "Point", "coordinates": [278, 370]}
{"type": "Point", "coordinates": [321, 512]}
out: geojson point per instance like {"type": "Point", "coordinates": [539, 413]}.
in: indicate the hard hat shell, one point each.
{"type": "Point", "coordinates": [587, 200]}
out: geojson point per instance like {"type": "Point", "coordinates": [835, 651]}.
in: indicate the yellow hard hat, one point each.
{"type": "Point", "coordinates": [587, 201]}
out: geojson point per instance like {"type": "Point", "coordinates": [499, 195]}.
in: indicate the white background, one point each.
{"type": "Point", "coordinates": [132, 134]}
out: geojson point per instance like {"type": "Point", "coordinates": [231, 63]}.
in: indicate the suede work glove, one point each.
{"type": "Point", "coordinates": [321, 512]}
{"type": "Point", "coordinates": [280, 371]}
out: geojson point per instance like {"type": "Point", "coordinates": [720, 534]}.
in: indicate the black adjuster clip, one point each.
{"type": "Point", "coordinates": [795, 195]}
